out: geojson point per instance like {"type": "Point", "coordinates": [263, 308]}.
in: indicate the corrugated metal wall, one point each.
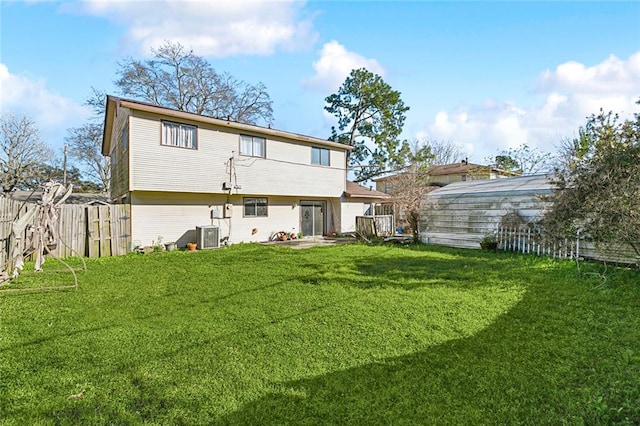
{"type": "Point", "coordinates": [460, 214]}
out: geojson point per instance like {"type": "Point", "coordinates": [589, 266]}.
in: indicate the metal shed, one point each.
{"type": "Point", "coordinates": [459, 214]}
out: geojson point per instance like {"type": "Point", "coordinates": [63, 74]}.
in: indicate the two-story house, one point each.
{"type": "Point", "coordinates": [179, 171]}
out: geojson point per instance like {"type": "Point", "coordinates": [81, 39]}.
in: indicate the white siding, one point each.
{"type": "Point", "coordinates": [171, 216]}
{"type": "Point", "coordinates": [287, 170]}
{"type": "Point", "coordinates": [175, 216]}
{"type": "Point", "coordinates": [349, 211]}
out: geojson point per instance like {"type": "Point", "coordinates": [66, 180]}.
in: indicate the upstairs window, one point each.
{"type": "Point", "coordinates": [253, 146]}
{"type": "Point", "coordinates": [178, 134]}
{"type": "Point", "coordinates": [319, 156]}
{"type": "Point", "coordinates": [255, 207]}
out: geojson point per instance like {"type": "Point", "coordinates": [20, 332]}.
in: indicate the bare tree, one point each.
{"type": "Point", "coordinates": [177, 78]}
{"type": "Point", "coordinates": [22, 152]}
{"type": "Point", "coordinates": [412, 183]}
{"type": "Point", "coordinates": [523, 159]}
{"type": "Point", "coordinates": [409, 186]}
{"type": "Point", "coordinates": [566, 152]}
{"type": "Point", "coordinates": [85, 147]}
{"type": "Point", "coordinates": [446, 152]}
{"type": "Point", "coordinates": [85, 142]}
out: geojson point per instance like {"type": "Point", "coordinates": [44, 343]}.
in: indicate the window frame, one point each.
{"type": "Point", "coordinates": [246, 202]}
{"type": "Point", "coordinates": [254, 139]}
{"type": "Point", "coordinates": [320, 151]}
{"type": "Point", "coordinates": [180, 126]}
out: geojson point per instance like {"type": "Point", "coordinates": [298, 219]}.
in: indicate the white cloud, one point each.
{"type": "Point", "coordinates": [571, 92]}
{"type": "Point", "coordinates": [334, 65]}
{"type": "Point", "coordinates": [220, 28]}
{"type": "Point", "coordinates": [51, 112]}
{"type": "Point", "coordinates": [611, 75]}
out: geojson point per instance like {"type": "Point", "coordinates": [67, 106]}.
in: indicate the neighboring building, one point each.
{"type": "Point", "coordinates": [434, 178]}
{"type": "Point", "coordinates": [448, 173]}
{"type": "Point", "coordinates": [180, 171]}
{"type": "Point", "coordinates": [458, 215]}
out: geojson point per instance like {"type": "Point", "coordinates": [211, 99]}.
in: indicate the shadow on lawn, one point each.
{"type": "Point", "coordinates": [481, 380]}
{"type": "Point", "coordinates": [533, 365]}
{"type": "Point", "coordinates": [414, 272]}
{"type": "Point", "coordinates": [40, 340]}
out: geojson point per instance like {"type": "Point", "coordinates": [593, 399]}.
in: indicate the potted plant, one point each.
{"type": "Point", "coordinates": [489, 241]}
{"type": "Point", "coordinates": [191, 246]}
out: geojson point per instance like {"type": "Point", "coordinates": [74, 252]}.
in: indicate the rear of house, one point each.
{"type": "Point", "coordinates": [182, 171]}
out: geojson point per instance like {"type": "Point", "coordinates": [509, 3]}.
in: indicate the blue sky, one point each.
{"type": "Point", "coordinates": [484, 75]}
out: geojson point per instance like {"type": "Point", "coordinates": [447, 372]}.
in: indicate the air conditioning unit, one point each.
{"type": "Point", "coordinates": [207, 237]}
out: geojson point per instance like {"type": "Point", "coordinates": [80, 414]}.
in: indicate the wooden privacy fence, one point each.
{"type": "Point", "coordinates": [83, 230]}
{"type": "Point", "coordinates": [10, 210]}
{"type": "Point", "coordinates": [374, 226]}
{"type": "Point", "coordinates": [109, 230]}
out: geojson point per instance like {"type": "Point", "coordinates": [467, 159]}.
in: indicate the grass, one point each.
{"type": "Point", "coordinates": [330, 335]}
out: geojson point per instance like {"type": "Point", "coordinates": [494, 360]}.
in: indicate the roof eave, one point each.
{"type": "Point", "coordinates": [371, 194]}
{"type": "Point", "coordinates": [134, 105]}
{"type": "Point", "coordinates": [109, 115]}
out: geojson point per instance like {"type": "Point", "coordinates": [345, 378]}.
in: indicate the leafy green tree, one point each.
{"type": "Point", "coordinates": [370, 118]}
{"type": "Point", "coordinates": [177, 78]}
{"type": "Point", "coordinates": [599, 185]}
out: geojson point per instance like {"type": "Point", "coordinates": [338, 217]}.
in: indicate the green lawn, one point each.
{"type": "Point", "coordinates": [330, 335]}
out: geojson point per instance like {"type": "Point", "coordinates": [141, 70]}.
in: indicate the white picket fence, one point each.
{"type": "Point", "coordinates": [526, 239]}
